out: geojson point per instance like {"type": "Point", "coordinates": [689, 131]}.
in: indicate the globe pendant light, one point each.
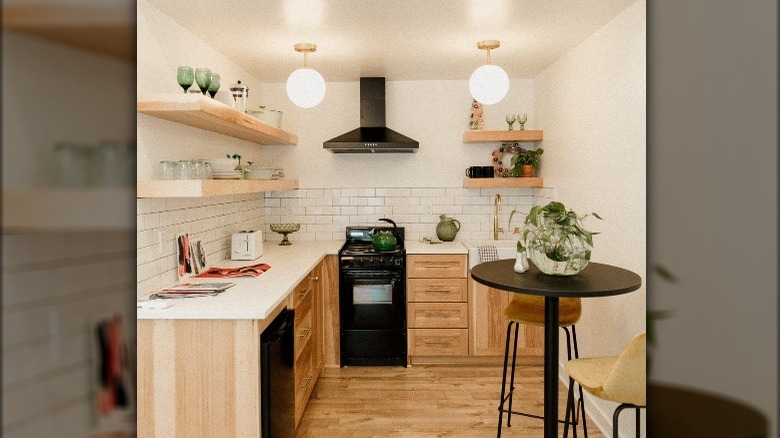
{"type": "Point", "coordinates": [489, 83]}
{"type": "Point", "coordinates": [305, 86]}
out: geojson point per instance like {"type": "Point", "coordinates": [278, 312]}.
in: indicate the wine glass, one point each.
{"type": "Point", "coordinates": [185, 77]}
{"type": "Point", "coordinates": [510, 118]}
{"type": "Point", "coordinates": [214, 85]}
{"type": "Point", "coordinates": [522, 118]}
{"type": "Point", "coordinates": [203, 78]}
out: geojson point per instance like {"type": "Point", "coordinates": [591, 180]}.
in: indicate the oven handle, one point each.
{"type": "Point", "coordinates": [372, 275]}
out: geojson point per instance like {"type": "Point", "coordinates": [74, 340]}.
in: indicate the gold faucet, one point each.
{"type": "Point", "coordinates": [496, 209]}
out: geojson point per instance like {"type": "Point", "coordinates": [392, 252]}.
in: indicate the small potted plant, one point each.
{"type": "Point", "coordinates": [525, 161]}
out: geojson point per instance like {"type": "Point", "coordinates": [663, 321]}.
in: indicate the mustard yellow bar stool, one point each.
{"type": "Point", "coordinates": [529, 309]}
{"type": "Point", "coordinates": [621, 379]}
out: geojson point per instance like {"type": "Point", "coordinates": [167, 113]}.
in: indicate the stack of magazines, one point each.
{"type": "Point", "coordinates": [192, 290]}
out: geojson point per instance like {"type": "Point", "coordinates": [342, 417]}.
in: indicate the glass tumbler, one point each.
{"type": "Point", "coordinates": [168, 169]}
{"type": "Point", "coordinates": [111, 167]}
{"type": "Point", "coordinates": [74, 162]}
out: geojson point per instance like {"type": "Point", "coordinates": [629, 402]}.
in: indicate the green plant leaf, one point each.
{"type": "Point", "coordinates": [665, 274]}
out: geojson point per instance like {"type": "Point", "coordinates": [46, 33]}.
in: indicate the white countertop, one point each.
{"type": "Point", "coordinates": [417, 247]}
{"type": "Point", "coordinates": [255, 298]}
{"type": "Point", "coordinates": [251, 298]}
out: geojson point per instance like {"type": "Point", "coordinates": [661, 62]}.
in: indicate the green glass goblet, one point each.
{"type": "Point", "coordinates": [185, 77]}
{"type": "Point", "coordinates": [203, 78]}
{"type": "Point", "coordinates": [214, 85]}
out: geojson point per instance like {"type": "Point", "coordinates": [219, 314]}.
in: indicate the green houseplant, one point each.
{"type": "Point", "coordinates": [525, 161]}
{"type": "Point", "coordinates": [556, 240]}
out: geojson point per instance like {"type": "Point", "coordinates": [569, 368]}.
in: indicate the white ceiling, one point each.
{"type": "Point", "coordinates": [397, 39]}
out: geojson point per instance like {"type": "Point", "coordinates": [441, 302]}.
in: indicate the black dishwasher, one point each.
{"type": "Point", "coordinates": [277, 378]}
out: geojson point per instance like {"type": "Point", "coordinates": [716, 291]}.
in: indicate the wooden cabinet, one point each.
{"type": "Point", "coordinates": [488, 330]}
{"type": "Point", "coordinates": [456, 319]}
{"type": "Point", "coordinates": [330, 285]}
{"type": "Point", "coordinates": [201, 377]}
{"type": "Point", "coordinates": [308, 304]}
{"type": "Point", "coordinates": [437, 305]}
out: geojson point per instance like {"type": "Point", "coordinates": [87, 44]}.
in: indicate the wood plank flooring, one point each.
{"type": "Point", "coordinates": [424, 401]}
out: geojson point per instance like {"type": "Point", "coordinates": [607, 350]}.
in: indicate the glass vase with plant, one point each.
{"type": "Point", "coordinates": [556, 240]}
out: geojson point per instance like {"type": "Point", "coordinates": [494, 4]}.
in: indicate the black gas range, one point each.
{"type": "Point", "coordinates": [372, 299]}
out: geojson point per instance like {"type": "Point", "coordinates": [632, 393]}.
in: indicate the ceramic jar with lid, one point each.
{"type": "Point", "coordinates": [447, 228]}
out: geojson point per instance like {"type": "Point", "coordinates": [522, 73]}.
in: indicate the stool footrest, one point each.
{"type": "Point", "coordinates": [539, 417]}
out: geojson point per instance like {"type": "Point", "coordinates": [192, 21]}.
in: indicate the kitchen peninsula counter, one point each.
{"type": "Point", "coordinates": [250, 298]}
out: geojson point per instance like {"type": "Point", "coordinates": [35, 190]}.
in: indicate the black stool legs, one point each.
{"type": "Point", "coordinates": [616, 415]}
{"type": "Point", "coordinates": [576, 413]}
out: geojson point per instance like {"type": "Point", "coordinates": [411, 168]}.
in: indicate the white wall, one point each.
{"type": "Point", "coordinates": [55, 93]}
{"type": "Point", "coordinates": [591, 103]}
{"type": "Point", "coordinates": [56, 285]}
{"type": "Point", "coordinates": [163, 45]}
{"type": "Point", "coordinates": [435, 113]}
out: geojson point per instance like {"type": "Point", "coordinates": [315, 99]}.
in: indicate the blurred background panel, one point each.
{"type": "Point", "coordinates": [68, 244]}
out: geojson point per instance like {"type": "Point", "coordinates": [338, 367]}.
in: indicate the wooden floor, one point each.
{"type": "Point", "coordinates": [424, 401]}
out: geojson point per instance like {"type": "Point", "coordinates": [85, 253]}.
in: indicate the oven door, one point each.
{"type": "Point", "coordinates": [372, 299]}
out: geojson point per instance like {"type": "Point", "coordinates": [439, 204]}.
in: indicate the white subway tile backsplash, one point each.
{"type": "Point", "coordinates": [323, 214]}
{"type": "Point", "coordinates": [50, 299]}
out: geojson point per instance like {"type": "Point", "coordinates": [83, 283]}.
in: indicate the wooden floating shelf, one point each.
{"type": "Point", "coordinates": [66, 210]}
{"type": "Point", "coordinates": [209, 114]}
{"type": "Point", "coordinates": [477, 136]}
{"type": "Point", "coordinates": [108, 30]}
{"type": "Point", "coordinates": [195, 188]}
{"type": "Point", "coordinates": [475, 183]}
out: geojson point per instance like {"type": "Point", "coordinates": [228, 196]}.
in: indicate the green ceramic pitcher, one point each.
{"type": "Point", "coordinates": [447, 228]}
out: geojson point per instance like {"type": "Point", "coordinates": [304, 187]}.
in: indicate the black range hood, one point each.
{"type": "Point", "coordinates": [372, 136]}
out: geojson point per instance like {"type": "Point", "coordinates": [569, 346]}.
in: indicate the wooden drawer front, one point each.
{"type": "Point", "coordinates": [436, 290]}
{"type": "Point", "coordinates": [436, 266]}
{"type": "Point", "coordinates": [438, 342]}
{"type": "Point", "coordinates": [303, 330]}
{"type": "Point", "coordinates": [303, 291]}
{"type": "Point", "coordinates": [437, 315]}
{"type": "Point", "coordinates": [303, 375]}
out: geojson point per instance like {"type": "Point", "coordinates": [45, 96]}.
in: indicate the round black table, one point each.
{"type": "Point", "coordinates": [596, 280]}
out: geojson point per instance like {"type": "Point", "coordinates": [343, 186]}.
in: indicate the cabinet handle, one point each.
{"type": "Point", "coordinates": [308, 379]}
{"type": "Point", "coordinates": [306, 292]}
{"type": "Point", "coordinates": [439, 290]}
{"type": "Point", "coordinates": [436, 343]}
{"type": "Point", "coordinates": [305, 332]}
{"type": "Point", "coordinates": [316, 278]}
{"type": "Point", "coordinates": [438, 265]}
{"type": "Point", "coordinates": [438, 314]}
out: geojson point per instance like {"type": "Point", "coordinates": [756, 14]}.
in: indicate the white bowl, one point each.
{"type": "Point", "coordinates": [258, 172]}
{"type": "Point", "coordinates": [272, 117]}
{"type": "Point", "coordinates": [222, 165]}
